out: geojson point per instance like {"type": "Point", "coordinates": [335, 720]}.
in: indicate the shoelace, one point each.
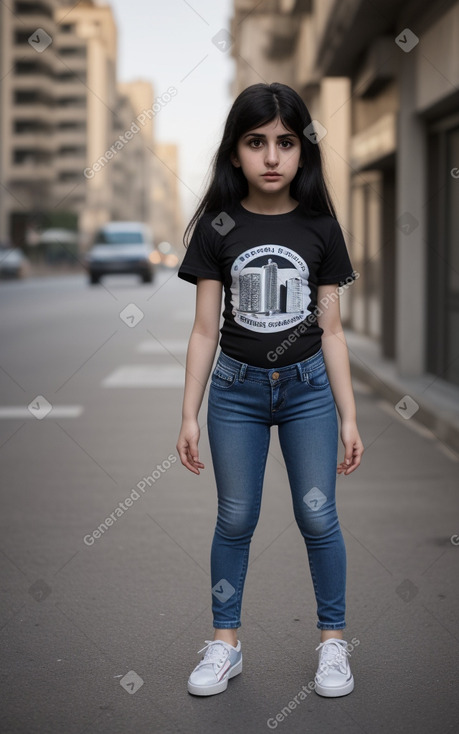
{"type": "Point", "coordinates": [333, 655]}
{"type": "Point", "coordinates": [216, 652]}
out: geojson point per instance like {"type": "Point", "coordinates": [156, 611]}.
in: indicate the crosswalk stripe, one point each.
{"type": "Point", "coordinates": [171, 346]}
{"type": "Point", "coordinates": [57, 411]}
{"type": "Point", "coordinates": [141, 375]}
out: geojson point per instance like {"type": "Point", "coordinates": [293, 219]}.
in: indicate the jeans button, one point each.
{"type": "Point", "coordinates": [275, 375]}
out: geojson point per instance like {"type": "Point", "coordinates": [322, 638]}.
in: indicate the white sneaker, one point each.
{"type": "Point", "coordinates": [333, 677]}
{"type": "Point", "coordinates": [221, 662]}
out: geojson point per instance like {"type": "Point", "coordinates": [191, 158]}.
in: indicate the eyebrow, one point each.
{"type": "Point", "coordinates": [279, 137]}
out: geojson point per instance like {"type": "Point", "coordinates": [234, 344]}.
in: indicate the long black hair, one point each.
{"type": "Point", "coordinates": [256, 106]}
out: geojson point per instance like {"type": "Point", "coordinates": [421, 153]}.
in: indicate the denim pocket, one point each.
{"type": "Point", "coordinates": [222, 378]}
{"type": "Point", "coordinates": [318, 378]}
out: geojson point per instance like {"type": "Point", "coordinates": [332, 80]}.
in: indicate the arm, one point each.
{"type": "Point", "coordinates": [199, 359]}
{"type": "Point", "coordinates": [336, 357]}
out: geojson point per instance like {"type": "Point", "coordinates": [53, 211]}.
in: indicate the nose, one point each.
{"type": "Point", "coordinates": [272, 154]}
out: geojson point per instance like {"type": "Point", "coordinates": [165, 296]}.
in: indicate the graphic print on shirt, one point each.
{"type": "Point", "coordinates": [270, 288]}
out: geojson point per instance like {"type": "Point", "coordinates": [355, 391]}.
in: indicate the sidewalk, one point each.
{"type": "Point", "coordinates": [437, 399]}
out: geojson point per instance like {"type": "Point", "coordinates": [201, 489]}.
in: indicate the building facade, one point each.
{"type": "Point", "coordinates": [77, 147]}
{"type": "Point", "coordinates": [382, 78]}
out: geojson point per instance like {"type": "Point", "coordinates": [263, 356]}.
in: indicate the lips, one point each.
{"type": "Point", "coordinates": [271, 175]}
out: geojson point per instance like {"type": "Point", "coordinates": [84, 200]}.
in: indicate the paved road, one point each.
{"type": "Point", "coordinates": [99, 629]}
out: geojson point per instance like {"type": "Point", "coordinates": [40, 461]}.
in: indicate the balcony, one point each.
{"type": "Point", "coordinates": [69, 137]}
{"type": "Point", "coordinates": [70, 112]}
{"type": "Point", "coordinates": [282, 33]}
{"type": "Point", "coordinates": [34, 82]}
{"type": "Point", "coordinates": [78, 65]}
{"type": "Point", "coordinates": [39, 111]}
{"type": "Point", "coordinates": [35, 20]}
{"type": "Point", "coordinates": [38, 141]}
{"type": "Point", "coordinates": [70, 164]}
{"type": "Point", "coordinates": [25, 52]}
{"type": "Point", "coordinates": [29, 172]}
{"type": "Point", "coordinates": [67, 39]}
{"type": "Point", "coordinates": [30, 6]}
{"type": "Point", "coordinates": [345, 29]}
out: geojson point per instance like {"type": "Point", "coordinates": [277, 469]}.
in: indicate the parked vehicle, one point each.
{"type": "Point", "coordinates": [122, 247]}
{"type": "Point", "coordinates": [13, 263]}
{"type": "Point", "coordinates": [58, 245]}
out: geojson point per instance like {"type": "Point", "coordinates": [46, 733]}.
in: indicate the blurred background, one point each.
{"type": "Point", "coordinates": [110, 113]}
{"type": "Point", "coordinates": [113, 111]}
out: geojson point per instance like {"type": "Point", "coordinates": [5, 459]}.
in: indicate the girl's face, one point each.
{"type": "Point", "coordinates": [270, 148]}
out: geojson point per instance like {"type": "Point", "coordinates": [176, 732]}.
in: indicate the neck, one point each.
{"type": "Point", "coordinates": [260, 203]}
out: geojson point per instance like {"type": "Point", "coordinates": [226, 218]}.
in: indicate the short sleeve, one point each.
{"type": "Point", "coordinates": [336, 266]}
{"type": "Point", "coordinates": [200, 259]}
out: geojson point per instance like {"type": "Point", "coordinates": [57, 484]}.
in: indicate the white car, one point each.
{"type": "Point", "coordinates": [122, 247]}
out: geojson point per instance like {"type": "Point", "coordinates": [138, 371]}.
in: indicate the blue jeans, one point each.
{"type": "Point", "coordinates": [244, 402]}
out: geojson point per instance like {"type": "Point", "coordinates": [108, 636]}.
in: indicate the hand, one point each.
{"type": "Point", "coordinates": [353, 448]}
{"type": "Point", "coordinates": [187, 445]}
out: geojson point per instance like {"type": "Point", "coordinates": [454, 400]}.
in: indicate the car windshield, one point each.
{"type": "Point", "coordinates": [105, 237]}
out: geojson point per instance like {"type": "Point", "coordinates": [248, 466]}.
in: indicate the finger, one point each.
{"type": "Point", "coordinates": [193, 449]}
{"type": "Point", "coordinates": [190, 465]}
{"type": "Point", "coordinates": [348, 457]}
{"type": "Point", "coordinates": [185, 457]}
{"type": "Point", "coordinates": [194, 460]}
{"type": "Point", "coordinates": [356, 459]}
{"type": "Point", "coordinates": [193, 453]}
{"type": "Point", "coordinates": [349, 462]}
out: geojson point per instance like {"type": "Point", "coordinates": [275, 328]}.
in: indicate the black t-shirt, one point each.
{"type": "Point", "coordinates": [270, 266]}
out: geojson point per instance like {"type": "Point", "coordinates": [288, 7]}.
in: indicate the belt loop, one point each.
{"type": "Point", "coordinates": [302, 371]}
{"type": "Point", "coordinates": [242, 372]}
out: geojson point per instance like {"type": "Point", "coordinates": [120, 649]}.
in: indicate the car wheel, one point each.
{"type": "Point", "coordinates": [94, 279]}
{"type": "Point", "coordinates": [147, 277]}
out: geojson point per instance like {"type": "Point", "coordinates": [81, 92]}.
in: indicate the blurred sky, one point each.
{"type": "Point", "coordinates": [169, 42]}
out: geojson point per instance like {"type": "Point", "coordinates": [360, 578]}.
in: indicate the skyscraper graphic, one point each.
{"type": "Point", "coordinates": [250, 292]}
{"type": "Point", "coordinates": [294, 295]}
{"type": "Point", "coordinates": [270, 291]}
{"type": "Point", "coordinates": [262, 291]}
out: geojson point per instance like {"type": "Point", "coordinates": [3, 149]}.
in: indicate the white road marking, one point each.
{"type": "Point", "coordinates": [57, 411]}
{"type": "Point", "coordinates": [174, 346]}
{"type": "Point", "coordinates": [141, 375]}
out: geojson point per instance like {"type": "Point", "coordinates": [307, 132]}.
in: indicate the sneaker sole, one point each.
{"type": "Point", "coordinates": [336, 691]}
{"type": "Point", "coordinates": [216, 687]}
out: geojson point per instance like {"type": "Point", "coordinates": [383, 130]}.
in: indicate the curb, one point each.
{"type": "Point", "coordinates": [438, 408]}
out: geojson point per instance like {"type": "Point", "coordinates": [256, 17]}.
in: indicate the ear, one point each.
{"type": "Point", "coordinates": [235, 161]}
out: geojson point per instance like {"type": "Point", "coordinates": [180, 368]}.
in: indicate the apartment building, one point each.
{"type": "Point", "coordinates": [85, 107]}
{"type": "Point", "coordinates": [150, 161]}
{"type": "Point", "coordinates": [167, 217]}
{"type": "Point", "coordinates": [76, 146]}
{"type": "Point", "coordinates": [383, 79]}
{"type": "Point", "coordinates": [27, 144]}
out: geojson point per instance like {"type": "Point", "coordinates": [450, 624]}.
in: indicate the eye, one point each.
{"type": "Point", "coordinates": [289, 143]}
{"type": "Point", "coordinates": [255, 140]}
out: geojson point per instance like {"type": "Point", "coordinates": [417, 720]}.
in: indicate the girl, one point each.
{"type": "Point", "coordinates": [266, 232]}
